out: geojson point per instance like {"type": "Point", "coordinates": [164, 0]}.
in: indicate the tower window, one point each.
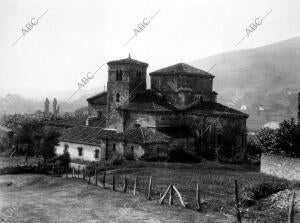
{"type": "Point", "coordinates": [117, 97]}
{"type": "Point", "coordinates": [119, 75]}
{"type": "Point", "coordinates": [139, 75]}
{"type": "Point", "coordinates": [97, 151]}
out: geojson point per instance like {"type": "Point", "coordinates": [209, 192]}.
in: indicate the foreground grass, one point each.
{"type": "Point", "coordinates": [37, 198]}
{"type": "Point", "coordinates": [216, 183]}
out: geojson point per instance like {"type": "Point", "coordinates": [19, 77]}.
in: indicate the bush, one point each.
{"type": "Point", "coordinates": [180, 155]}
{"type": "Point", "coordinates": [129, 156]}
{"type": "Point", "coordinates": [254, 192]}
{"type": "Point", "coordinates": [116, 160]}
{"type": "Point", "coordinates": [64, 160]}
{"type": "Point", "coordinates": [154, 158]}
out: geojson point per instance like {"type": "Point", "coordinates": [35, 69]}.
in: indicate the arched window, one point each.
{"type": "Point", "coordinates": [97, 152]}
{"type": "Point", "coordinates": [117, 97]}
{"type": "Point", "coordinates": [119, 74]}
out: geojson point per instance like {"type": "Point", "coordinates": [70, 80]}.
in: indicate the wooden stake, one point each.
{"type": "Point", "coordinates": [96, 177]}
{"type": "Point", "coordinates": [237, 204]}
{"type": "Point", "coordinates": [66, 172]}
{"type": "Point", "coordinates": [78, 169]}
{"type": "Point", "coordinates": [103, 180]}
{"type": "Point", "coordinates": [73, 172]}
{"type": "Point", "coordinates": [53, 167]}
{"type": "Point", "coordinates": [83, 173]}
{"type": "Point", "coordinates": [171, 195]}
{"type": "Point", "coordinates": [165, 194]}
{"type": "Point", "coordinates": [180, 197]}
{"type": "Point", "coordinates": [198, 200]}
{"type": "Point", "coordinates": [113, 183]}
{"type": "Point", "coordinates": [58, 171]}
{"type": "Point", "coordinates": [90, 173]}
{"type": "Point", "coordinates": [291, 209]}
{"type": "Point", "coordinates": [149, 188]}
{"type": "Point", "coordinates": [134, 186]}
{"type": "Point", "coordinates": [125, 184]}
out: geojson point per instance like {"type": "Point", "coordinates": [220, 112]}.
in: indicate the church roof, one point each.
{"type": "Point", "coordinates": [148, 101]}
{"type": "Point", "coordinates": [182, 68]}
{"type": "Point", "coordinates": [142, 135]}
{"type": "Point", "coordinates": [86, 135]}
{"type": "Point", "coordinates": [127, 61]}
{"type": "Point", "coordinates": [98, 98]}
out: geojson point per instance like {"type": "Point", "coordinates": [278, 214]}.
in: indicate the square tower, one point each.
{"type": "Point", "coordinates": [126, 78]}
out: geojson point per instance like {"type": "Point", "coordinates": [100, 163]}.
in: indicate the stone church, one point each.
{"type": "Point", "coordinates": [179, 110]}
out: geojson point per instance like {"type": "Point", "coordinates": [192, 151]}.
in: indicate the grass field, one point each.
{"type": "Point", "coordinates": [37, 198]}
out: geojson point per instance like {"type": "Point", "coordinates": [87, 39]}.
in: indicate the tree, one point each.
{"type": "Point", "coordinates": [288, 138]}
{"type": "Point", "coordinates": [47, 139]}
{"type": "Point", "coordinates": [54, 106]}
{"type": "Point", "coordinates": [46, 106]}
{"type": "Point", "coordinates": [266, 138]}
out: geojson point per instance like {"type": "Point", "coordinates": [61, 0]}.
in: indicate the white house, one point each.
{"type": "Point", "coordinates": [84, 142]}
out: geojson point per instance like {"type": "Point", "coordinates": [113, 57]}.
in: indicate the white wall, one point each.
{"type": "Point", "coordinates": [88, 151]}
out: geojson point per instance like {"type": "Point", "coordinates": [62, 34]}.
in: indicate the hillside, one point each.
{"type": "Point", "coordinates": [263, 81]}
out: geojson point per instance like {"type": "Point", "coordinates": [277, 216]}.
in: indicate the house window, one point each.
{"type": "Point", "coordinates": [157, 150]}
{"type": "Point", "coordinates": [117, 97]}
{"type": "Point", "coordinates": [97, 152]}
{"type": "Point", "coordinates": [114, 147]}
{"type": "Point", "coordinates": [80, 151]}
{"type": "Point", "coordinates": [119, 75]}
{"type": "Point", "coordinates": [66, 147]}
{"type": "Point", "coordinates": [132, 149]}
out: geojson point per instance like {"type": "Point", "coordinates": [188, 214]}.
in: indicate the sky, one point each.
{"type": "Point", "coordinates": [74, 37]}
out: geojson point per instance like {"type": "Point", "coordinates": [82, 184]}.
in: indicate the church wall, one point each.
{"type": "Point", "coordinates": [94, 109]}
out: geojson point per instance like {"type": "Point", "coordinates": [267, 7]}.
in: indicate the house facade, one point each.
{"type": "Point", "coordinates": [179, 110]}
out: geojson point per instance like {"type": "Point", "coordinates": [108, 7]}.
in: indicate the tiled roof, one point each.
{"type": "Point", "coordinates": [127, 60]}
{"type": "Point", "coordinates": [142, 135]}
{"type": "Point", "coordinates": [86, 135]}
{"type": "Point", "coordinates": [205, 107]}
{"type": "Point", "coordinates": [182, 68]}
{"type": "Point", "coordinates": [72, 122]}
{"type": "Point", "coordinates": [148, 101]}
{"type": "Point", "coordinates": [98, 98]}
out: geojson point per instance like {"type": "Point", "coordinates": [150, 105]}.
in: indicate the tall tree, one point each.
{"type": "Point", "coordinates": [54, 106]}
{"type": "Point", "coordinates": [46, 106]}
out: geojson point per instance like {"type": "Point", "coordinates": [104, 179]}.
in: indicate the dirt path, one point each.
{"type": "Point", "coordinates": [37, 198]}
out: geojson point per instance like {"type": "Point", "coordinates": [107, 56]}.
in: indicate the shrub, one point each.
{"type": "Point", "coordinates": [254, 192]}
{"type": "Point", "coordinates": [154, 158]}
{"type": "Point", "coordinates": [116, 160]}
{"type": "Point", "coordinates": [129, 156]}
{"type": "Point", "coordinates": [64, 160]}
{"type": "Point", "coordinates": [180, 155]}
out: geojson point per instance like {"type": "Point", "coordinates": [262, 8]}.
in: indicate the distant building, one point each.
{"type": "Point", "coordinates": [179, 110]}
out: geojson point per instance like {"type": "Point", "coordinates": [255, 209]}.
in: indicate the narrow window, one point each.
{"type": "Point", "coordinates": [132, 149]}
{"type": "Point", "coordinates": [80, 151]}
{"type": "Point", "coordinates": [157, 150]}
{"type": "Point", "coordinates": [119, 74]}
{"type": "Point", "coordinates": [97, 151]}
{"type": "Point", "coordinates": [66, 147]}
{"type": "Point", "coordinates": [114, 147]}
{"type": "Point", "coordinates": [117, 97]}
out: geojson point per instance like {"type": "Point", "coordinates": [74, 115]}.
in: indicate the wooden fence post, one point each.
{"type": "Point", "coordinates": [83, 173]}
{"type": "Point", "coordinates": [66, 172]}
{"type": "Point", "coordinates": [103, 179]}
{"type": "Point", "coordinates": [180, 197]}
{"type": "Point", "coordinates": [198, 200]}
{"type": "Point", "coordinates": [96, 178]}
{"type": "Point", "coordinates": [125, 184]}
{"type": "Point", "coordinates": [53, 167]}
{"type": "Point", "coordinates": [291, 209]}
{"type": "Point", "coordinates": [90, 173]}
{"type": "Point", "coordinates": [78, 169]}
{"type": "Point", "coordinates": [164, 194]}
{"type": "Point", "coordinates": [171, 195]}
{"type": "Point", "coordinates": [237, 204]}
{"type": "Point", "coordinates": [149, 188]}
{"type": "Point", "coordinates": [134, 186]}
{"type": "Point", "coordinates": [58, 171]}
{"type": "Point", "coordinates": [113, 183]}
{"type": "Point", "coordinates": [73, 172]}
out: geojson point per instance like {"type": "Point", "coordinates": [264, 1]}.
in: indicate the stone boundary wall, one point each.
{"type": "Point", "coordinates": [280, 166]}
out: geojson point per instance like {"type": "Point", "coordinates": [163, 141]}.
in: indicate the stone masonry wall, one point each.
{"type": "Point", "coordinates": [280, 166]}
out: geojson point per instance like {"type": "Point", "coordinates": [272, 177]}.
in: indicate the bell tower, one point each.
{"type": "Point", "coordinates": [126, 77]}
